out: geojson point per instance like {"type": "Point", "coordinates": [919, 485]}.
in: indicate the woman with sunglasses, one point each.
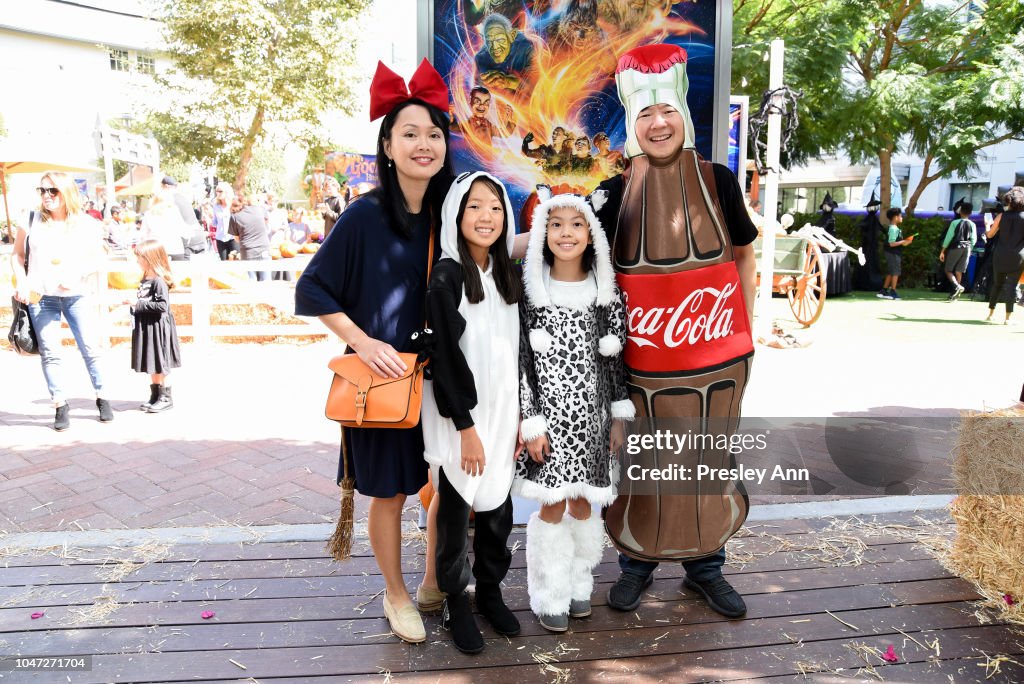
{"type": "Point", "coordinates": [65, 250]}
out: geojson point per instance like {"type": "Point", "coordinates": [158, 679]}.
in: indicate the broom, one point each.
{"type": "Point", "coordinates": [340, 543]}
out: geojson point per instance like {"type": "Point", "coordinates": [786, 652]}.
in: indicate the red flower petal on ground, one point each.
{"type": "Point", "coordinates": [1009, 600]}
{"type": "Point", "coordinates": [36, 616]}
{"type": "Point", "coordinates": [890, 655]}
{"type": "Point", "coordinates": [207, 614]}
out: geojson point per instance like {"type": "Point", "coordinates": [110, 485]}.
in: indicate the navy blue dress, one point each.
{"type": "Point", "coordinates": [367, 271]}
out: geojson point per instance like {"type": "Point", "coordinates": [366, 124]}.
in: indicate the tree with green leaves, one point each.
{"type": "Point", "coordinates": [245, 67]}
{"type": "Point", "coordinates": [944, 80]}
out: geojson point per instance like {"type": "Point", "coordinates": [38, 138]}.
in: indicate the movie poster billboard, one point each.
{"type": "Point", "coordinates": [533, 82]}
{"type": "Point", "coordinates": [738, 111]}
{"type": "Point", "coordinates": [356, 168]}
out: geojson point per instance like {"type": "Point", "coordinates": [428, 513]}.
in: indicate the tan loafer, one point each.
{"type": "Point", "coordinates": [429, 600]}
{"type": "Point", "coordinates": [405, 622]}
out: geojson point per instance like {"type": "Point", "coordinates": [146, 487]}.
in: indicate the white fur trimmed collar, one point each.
{"type": "Point", "coordinates": [535, 270]}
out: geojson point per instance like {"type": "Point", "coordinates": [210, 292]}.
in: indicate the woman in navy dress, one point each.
{"type": "Point", "coordinates": [367, 283]}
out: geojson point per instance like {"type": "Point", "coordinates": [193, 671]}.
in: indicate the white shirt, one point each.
{"type": "Point", "coordinates": [64, 254]}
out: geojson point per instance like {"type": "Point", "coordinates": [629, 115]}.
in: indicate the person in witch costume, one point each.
{"type": "Point", "coordinates": [869, 277]}
{"type": "Point", "coordinates": [367, 284]}
{"type": "Point", "coordinates": [681, 240]}
{"type": "Point", "coordinates": [827, 220]}
{"type": "Point", "coordinates": [573, 399]}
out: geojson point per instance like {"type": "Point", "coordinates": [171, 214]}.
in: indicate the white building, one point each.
{"type": "Point", "coordinates": [803, 188]}
{"type": "Point", "coordinates": [65, 65]}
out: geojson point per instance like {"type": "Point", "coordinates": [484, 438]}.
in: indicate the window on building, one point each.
{"type": "Point", "coordinates": [119, 60]}
{"type": "Point", "coordinates": [808, 199]}
{"type": "Point", "coordinates": [973, 192]}
{"type": "Point", "coordinates": [145, 65]}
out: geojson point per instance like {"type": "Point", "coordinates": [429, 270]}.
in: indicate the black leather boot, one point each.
{"type": "Point", "coordinates": [106, 412]}
{"type": "Point", "coordinates": [61, 421]}
{"type": "Point", "coordinates": [154, 392]}
{"type": "Point", "coordinates": [163, 401]}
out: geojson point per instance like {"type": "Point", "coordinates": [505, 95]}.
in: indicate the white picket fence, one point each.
{"type": "Point", "coordinates": [277, 293]}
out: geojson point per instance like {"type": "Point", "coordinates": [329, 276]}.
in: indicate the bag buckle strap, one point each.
{"type": "Point", "coordinates": [362, 390]}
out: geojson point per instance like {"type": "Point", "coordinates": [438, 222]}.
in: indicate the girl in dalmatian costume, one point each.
{"type": "Point", "coordinates": [573, 399]}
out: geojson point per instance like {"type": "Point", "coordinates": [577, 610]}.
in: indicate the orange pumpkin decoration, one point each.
{"type": "Point", "coordinates": [124, 280]}
{"type": "Point", "coordinates": [289, 249]}
{"type": "Point", "coordinates": [427, 493]}
{"type": "Point", "coordinates": [310, 248]}
{"type": "Point", "coordinates": [275, 253]}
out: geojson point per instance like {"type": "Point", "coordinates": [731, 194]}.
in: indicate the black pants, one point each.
{"type": "Point", "coordinates": [997, 289]}
{"type": "Point", "coordinates": [226, 247]}
{"type": "Point", "coordinates": [490, 541]}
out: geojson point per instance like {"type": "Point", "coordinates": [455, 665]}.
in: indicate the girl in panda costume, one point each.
{"type": "Point", "coordinates": [572, 398]}
{"type": "Point", "coordinates": [470, 411]}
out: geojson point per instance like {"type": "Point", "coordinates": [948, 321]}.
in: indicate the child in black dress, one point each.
{"type": "Point", "coordinates": [155, 347]}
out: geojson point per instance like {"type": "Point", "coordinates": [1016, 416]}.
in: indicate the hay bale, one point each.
{"type": "Point", "coordinates": [988, 469]}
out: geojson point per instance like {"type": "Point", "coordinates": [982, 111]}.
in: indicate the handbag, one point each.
{"type": "Point", "coordinates": [22, 336]}
{"type": "Point", "coordinates": [359, 398]}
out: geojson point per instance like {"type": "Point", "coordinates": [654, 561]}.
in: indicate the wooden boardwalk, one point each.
{"type": "Point", "coordinates": [823, 598]}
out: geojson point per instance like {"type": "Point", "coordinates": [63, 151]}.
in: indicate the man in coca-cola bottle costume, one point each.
{"type": "Point", "coordinates": [682, 250]}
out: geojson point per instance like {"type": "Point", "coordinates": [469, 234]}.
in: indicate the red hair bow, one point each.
{"type": "Point", "coordinates": [387, 90]}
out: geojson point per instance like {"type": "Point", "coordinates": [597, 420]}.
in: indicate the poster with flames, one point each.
{"type": "Point", "coordinates": [533, 82]}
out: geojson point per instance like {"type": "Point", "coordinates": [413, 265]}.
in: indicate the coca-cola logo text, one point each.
{"type": "Point", "coordinates": [704, 315]}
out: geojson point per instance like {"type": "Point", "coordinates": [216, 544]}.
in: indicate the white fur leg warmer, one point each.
{"type": "Point", "coordinates": [548, 563]}
{"type": "Point", "coordinates": [588, 542]}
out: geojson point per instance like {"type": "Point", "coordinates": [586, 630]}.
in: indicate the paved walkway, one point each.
{"type": "Point", "coordinates": [247, 443]}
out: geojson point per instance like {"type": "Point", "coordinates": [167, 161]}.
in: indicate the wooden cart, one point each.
{"type": "Point", "coordinates": [799, 275]}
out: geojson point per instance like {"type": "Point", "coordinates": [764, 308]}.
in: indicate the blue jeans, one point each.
{"type": "Point", "coordinates": [699, 570]}
{"type": "Point", "coordinates": [82, 317]}
{"type": "Point", "coordinates": [257, 255]}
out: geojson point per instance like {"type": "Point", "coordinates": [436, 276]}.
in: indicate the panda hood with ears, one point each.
{"type": "Point", "coordinates": [450, 214]}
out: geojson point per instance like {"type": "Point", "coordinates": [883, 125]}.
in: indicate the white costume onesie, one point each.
{"type": "Point", "coordinates": [487, 335]}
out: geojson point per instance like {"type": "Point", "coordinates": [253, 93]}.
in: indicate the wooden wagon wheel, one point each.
{"type": "Point", "coordinates": [807, 293]}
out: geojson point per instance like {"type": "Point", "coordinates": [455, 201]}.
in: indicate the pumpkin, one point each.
{"type": "Point", "coordinates": [310, 248]}
{"type": "Point", "coordinates": [289, 249]}
{"type": "Point", "coordinates": [316, 236]}
{"type": "Point", "coordinates": [427, 493]}
{"type": "Point", "coordinates": [124, 280]}
{"type": "Point", "coordinates": [275, 253]}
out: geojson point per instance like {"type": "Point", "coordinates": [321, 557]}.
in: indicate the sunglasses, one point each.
{"type": "Point", "coordinates": [52, 192]}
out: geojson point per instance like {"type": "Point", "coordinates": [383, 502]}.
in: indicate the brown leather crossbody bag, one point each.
{"type": "Point", "coordinates": [359, 398]}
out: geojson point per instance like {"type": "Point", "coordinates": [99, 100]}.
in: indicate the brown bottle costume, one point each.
{"type": "Point", "coordinates": [689, 345]}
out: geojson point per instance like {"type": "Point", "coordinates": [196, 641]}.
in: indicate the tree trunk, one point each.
{"type": "Point", "coordinates": [925, 181]}
{"type": "Point", "coordinates": [248, 143]}
{"type": "Point", "coordinates": [885, 181]}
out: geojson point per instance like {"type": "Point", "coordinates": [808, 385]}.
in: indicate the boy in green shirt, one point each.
{"type": "Point", "coordinates": [894, 243]}
{"type": "Point", "coordinates": [956, 247]}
